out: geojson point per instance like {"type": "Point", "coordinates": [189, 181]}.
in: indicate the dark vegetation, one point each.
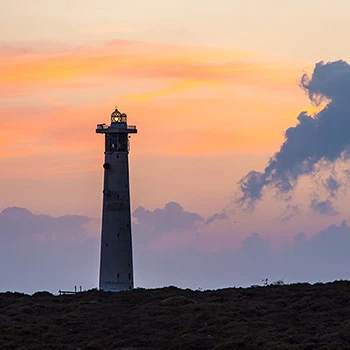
{"type": "Point", "coordinates": [297, 316]}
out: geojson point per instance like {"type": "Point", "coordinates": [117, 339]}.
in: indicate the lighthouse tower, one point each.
{"type": "Point", "coordinates": [116, 268]}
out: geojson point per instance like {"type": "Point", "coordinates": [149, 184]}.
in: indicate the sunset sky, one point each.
{"type": "Point", "coordinates": [212, 88]}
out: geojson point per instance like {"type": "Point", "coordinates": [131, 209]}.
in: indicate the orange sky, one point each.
{"type": "Point", "coordinates": [205, 118]}
{"type": "Point", "coordinates": [200, 93]}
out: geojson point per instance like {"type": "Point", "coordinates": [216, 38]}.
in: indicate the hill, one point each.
{"type": "Point", "coordinates": [297, 316]}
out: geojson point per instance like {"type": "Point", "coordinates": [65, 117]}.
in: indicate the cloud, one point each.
{"type": "Point", "coordinates": [314, 145]}
{"type": "Point", "coordinates": [322, 257]}
{"type": "Point", "coordinates": [323, 207]}
{"type": "Point", "coordinates": [39, 252]}
{"type": "Point", "coordinates": [22, 223]}
{"type": "Point", "coordinates": [162, 221]}
{"type": "Point", "coordinates": [332, 186]}
{"type": "Point", "coordinates": [248, 262]}
{"type": "Point", "coordinates": [217, 216]}
{"type": "Point", "coordinates": [290, 211]}
{"type": "Point", "coordinates": [172, 226]}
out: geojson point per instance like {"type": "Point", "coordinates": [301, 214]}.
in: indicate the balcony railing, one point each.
{"type": "Point", "coordinates": [102, 126]}
{"type": "Point", "coordinates": [111, 129]}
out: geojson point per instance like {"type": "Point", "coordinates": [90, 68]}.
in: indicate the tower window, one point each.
{"type": "Point", "coordinates": [107, 245]}
{"type": "Point", "coordinates": [116, 143]}
{"type": "Point", "coordinates": [129, 276]}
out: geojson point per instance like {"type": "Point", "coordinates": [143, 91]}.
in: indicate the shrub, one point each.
{"type": "Point", "coordinates": [177, 301]}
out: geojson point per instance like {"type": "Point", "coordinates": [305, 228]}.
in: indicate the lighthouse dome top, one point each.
{"type": "Point", "coordinates": [118, 125]}
{"type": "Point", "coordinates": [118, 117]}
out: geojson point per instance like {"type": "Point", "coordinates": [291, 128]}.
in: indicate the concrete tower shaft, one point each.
{"type": "Point", "coordinates": [116, 263]}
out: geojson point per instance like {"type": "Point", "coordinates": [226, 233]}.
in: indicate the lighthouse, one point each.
{"type": "Point", "coordinates": [116, 263]}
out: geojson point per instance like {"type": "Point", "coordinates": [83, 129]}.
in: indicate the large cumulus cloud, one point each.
{"type": "Point", "coordinates": [317, 142]}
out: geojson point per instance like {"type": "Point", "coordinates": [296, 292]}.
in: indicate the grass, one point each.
{"type": "Point", "coordinates": [297, 316]}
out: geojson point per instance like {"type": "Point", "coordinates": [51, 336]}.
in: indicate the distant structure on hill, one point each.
{"type": "Point", "coordinates": [116, 265]}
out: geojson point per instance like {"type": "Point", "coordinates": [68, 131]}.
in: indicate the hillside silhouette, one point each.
{"type": "Point", "coordinates": [297, 316]}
